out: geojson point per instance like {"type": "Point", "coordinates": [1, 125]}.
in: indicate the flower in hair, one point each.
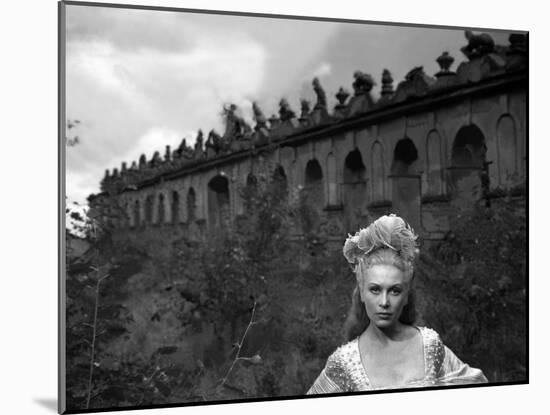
{"type": "Point", "coordinates": [388, 231]}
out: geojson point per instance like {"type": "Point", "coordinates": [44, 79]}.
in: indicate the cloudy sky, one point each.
{"type": "Point", "coordinates": [141, 79]}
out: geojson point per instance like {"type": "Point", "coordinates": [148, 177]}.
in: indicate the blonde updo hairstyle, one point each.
{"type": "Point", "coordinates": [387, 241]}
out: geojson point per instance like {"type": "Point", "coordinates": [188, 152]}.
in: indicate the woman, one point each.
{"type": "Point", "coordinates": [384, 349]}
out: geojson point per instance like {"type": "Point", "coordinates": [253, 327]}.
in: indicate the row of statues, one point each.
{"type": "Point", "coordinates": [239, 135]}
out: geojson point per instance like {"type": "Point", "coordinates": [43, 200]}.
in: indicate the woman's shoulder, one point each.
{"type": "Point", "coordinates": [429, 335]}
{"type": "Point", "coordinates": [434, 350]}
{"type": "Point", "coordinates": [431, 339]}
{"type": "Point", "coordinates": [343, 354]}
{"type": "Point", "coordinates": [343, 364]}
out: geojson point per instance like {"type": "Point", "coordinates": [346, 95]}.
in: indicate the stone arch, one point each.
{"type": "Point", "coordinates": [354, 189]}
{"type": "Point", "coordinates": [175, 207]}
{"type": "Point", "coordinates": [280, 181]}
{"type": "Point", "coordinates": [149, 206]}
{"type": "Point", "coordinates": [507, 150]}
{"type": "Point", "coordinates": [354, 168]}
{"type": "Point", "coordinates": [121, 214]}
{"type": "Point", "coordinates": [406, 182]}
{"type": "Point", "coordinates": [191, 203]}
{"type": "Point", "coordinates": [468, 156]}
{"type": "Point", "coordinates": [434, 167]}
{"type": "Point", "coordinates": [250, 191]}
{"type": "Point", "coordinates": [161, 209]}
{"type": "Point", "coordinates": [405, 156]}
{"type": "Point", "coordinates": [468, 148]}
{"type": "Point", "coordinates": [251, 180]}
{"type": "Point", "coordinates": [355, 179]}
{"type": "Point", "coordinates": [218, 200]}
{"type": "Point", "coordinates": [378, 173]}
{"type": "Point", "coordinates": [314, 183]}
{"type": "Point", "coordinates": [332, 180]}
{"type": "Point", "coordinates": [125, 214]}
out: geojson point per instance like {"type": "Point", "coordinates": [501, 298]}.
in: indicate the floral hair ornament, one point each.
{"type": "Point", "coordinates": [388, 231]}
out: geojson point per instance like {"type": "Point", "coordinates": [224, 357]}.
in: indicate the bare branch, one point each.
{"type": "Point", "coordinates": [239, 346]}
{"type": "Point", "coordinates": [94, 336]}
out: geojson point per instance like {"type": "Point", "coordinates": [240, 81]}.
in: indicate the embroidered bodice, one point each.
{"type": "Point", "coordinates": [345, 372]}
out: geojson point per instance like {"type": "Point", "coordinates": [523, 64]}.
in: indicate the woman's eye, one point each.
{"type": "Point", "coordinates": [396, 291]}
{"type": "Point", "coordinates": [374, 290]}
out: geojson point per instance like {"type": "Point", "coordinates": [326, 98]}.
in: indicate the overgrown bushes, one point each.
{"type": "Point", "coordinates": [170, 321]}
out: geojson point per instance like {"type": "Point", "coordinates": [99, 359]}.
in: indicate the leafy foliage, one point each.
{"type": "Point", "coordinates": [171, 315]}
{"type": "Point", "coordinates": [475, 279]}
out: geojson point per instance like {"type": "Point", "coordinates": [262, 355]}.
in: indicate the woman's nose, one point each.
{"type": "Point", "coordinates": [384, 300]}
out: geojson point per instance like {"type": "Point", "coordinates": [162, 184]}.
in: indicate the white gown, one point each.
{"type": "Point", "coordinates": [344, 371]}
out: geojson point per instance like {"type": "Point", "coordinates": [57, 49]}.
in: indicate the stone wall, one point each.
{"type": "Point", "coordinates": [423, 151]}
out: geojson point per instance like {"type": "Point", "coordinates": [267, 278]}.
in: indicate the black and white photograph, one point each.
{"type": "Point", "coordinates": [266, 206]}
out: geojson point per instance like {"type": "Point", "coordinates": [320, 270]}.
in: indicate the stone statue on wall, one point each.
{"type": "Point", "coordinates": [305, 108]}
{"type": "Point", "coordinates": [478, 45]}
{"type": "Point", "coordinates": [156, 160]}
{"type": "Point", "coordinates": [321, 96]}
{"type": "Point", "coordinates": [414, 73]}
{"type": "Point", "coordinates": [184, 150]}
{"type": "Point", "coordinates": [199, 151]}
{"type": "Point", "coordinates": [259, 117]}
{"type": "Point", "coordinates": [285, 112]}
{"type": "Point", "coordinates": [363, 83]}
{"type": "Point", "coordinates": [215, 142]}
{"type": "Point", "coordinates": [209, 146]}
{"type": "Point", "coordinates": [142, 161]}
{"type": "Point", "coordinates": [235, 125]}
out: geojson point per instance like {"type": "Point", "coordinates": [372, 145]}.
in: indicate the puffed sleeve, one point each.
{"type": "Point", "coordinates": [456, 372]}
{"type": "Point", "coordinates": [333, 377]}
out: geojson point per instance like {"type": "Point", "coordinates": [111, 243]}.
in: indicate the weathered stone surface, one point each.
{"type": "Point", "coordinates": [321, 95]}
{"type": "Point", "coordinates": [416, 84]}
{"type": "Point", "coordinates": [478, 45]}
{"type": "Point", "coordinates": [373, 127]}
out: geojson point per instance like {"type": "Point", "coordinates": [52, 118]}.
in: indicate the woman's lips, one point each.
{"type": "Point", "coordinates": [384, 315]}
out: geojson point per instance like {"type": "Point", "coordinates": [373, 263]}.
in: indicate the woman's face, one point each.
{"type": "Point", "coordinates": [384, 291]}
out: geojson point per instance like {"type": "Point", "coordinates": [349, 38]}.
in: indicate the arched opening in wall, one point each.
{"type": "Point", "coordinates": [354, 168]}
{"type": "Point", "coordinates": [314, 184]}
{"type": "Point", "coordinates": [507, 151]}
{"type": "Point", "coordinates": [468, 175]}
{"type": "Point", "coordinates": [378, 173]}
{"type": "Point", "coordinates": [218, 201]}
{"type": "Point", "coordinates": [108, 216]}
{"type": "Point", "coordinates": [354, 188]}
{"type": "Point", "coordinates": [313, 199]}
{"type": "Point", "coordinates": [434, 167]}
{"type": "Point", "coordinates": [124, 220]}
{"type": "Point", "coordinates": [249, 193]}
{"type": "Point", "coordinates": [332, 181]}
{"type": "Point", "coordinates": [175, 207]}
{"type": "Point", "coordinates": [469, 148]}
{"type": "Point", "coordinates": [149, 202]}
{"type": "Point", "coordinates": [136, 215]}
{"type": "Point", "coordinates": [404, 156]}
{"type": "Point", "coordinates": [191, 205]}
{"type": "Point", "coordinates": [280, 184]}
{"type": "Point", "coordinates": [406, 182]}
{"type": "Point", "coordinates": [251, 181]}
{"type": "Point", "coordinates": [161, 217]}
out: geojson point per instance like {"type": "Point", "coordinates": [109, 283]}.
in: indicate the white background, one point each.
{"type": "Point", "coordinates": [28, 206]}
